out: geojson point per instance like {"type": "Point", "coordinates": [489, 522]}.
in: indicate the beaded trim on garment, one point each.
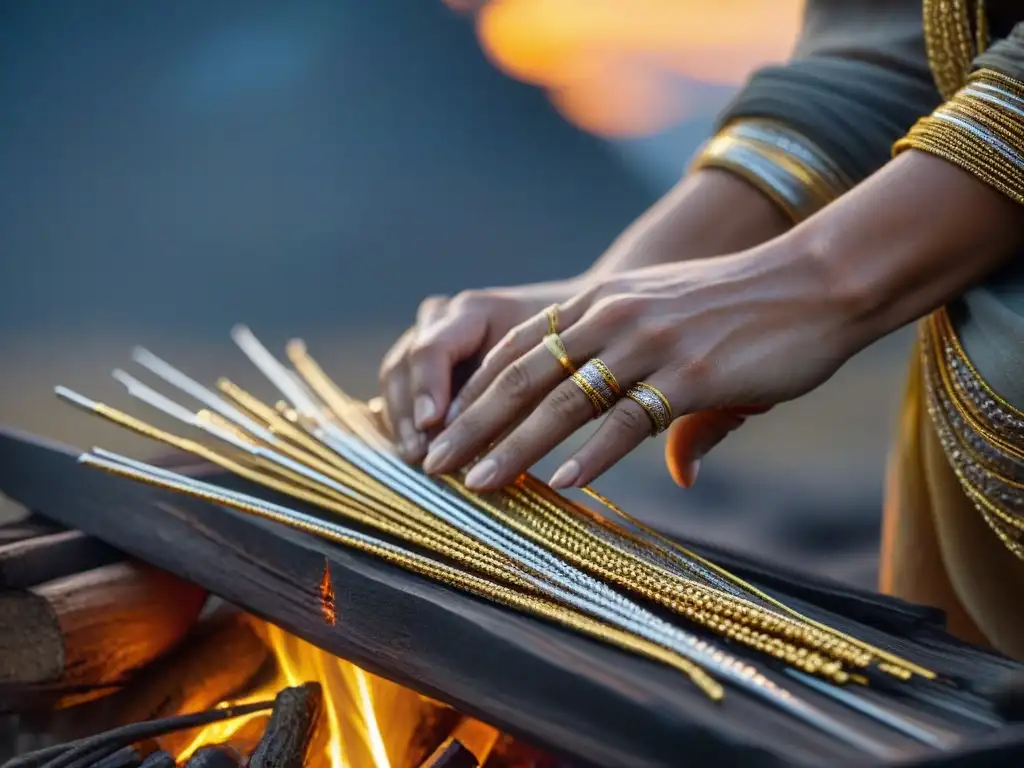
{"type": "Point", "coordinates": [981, 434]}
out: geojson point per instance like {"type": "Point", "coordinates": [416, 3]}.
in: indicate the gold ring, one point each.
{"type": "Point", "coordinates": [552, 315]}
{"type": "Point", "coordinates": [598, 384]}
{"type": "Point", "coordinates": [554, 344]}
{"type": "Point", "coordinates": [654, 403]}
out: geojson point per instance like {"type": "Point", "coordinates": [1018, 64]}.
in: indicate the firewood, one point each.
{"type": "Point", "coordinates": [66, 755]}
{"type": "Point", "coordinates": [28, 528]}
{"type": "Point", "coordinates": [74, 638]}
{"type": "Point", "coordinates": [219, 657]}
{"type": "Point", "coordinates": [130, 756]}
{"type": "Point", "coordinates": [35, 560]}
{"type": "Point", "coordinates": [214, 756]}
{"type": "Point", "coordinates": [292, 725]}
{"type": "Point", "coordinates": [451, 754]}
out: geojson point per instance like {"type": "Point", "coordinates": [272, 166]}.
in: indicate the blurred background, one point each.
{"type": "Point", "coordinates": [315, 168]}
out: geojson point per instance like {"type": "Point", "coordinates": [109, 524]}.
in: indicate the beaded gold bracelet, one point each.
{"type": "Point", "coordinates": [782, 163]}
{"type": "Point", "coordinates": [981, 130]}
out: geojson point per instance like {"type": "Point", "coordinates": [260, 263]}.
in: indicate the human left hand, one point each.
{"type": "Point", "coordinates": [735, 332]}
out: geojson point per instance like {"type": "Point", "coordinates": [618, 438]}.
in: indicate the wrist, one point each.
{"type": "Point", "coordinates": [916, 235]}
{"type": "Point", "coordinates": [710, 212]}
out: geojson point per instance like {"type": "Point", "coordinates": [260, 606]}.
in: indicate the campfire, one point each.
{"type": "Point", "coordinates": [119, 665]}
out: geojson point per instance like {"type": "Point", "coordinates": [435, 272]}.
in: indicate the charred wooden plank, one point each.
{"type": "Point", "coordinates": [28, 528]}
{"type": "Point", "coordinates": [529, 678]}
{"type": "Point", "coordinates": [294, 720]}
{"type": "Point", "coordinates": [39, 559]}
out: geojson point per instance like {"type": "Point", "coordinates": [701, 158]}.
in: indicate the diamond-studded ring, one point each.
{"type": "Point", "coordinates": [654, 403]}
{"type": "Point", "coordinates": [598, 384]}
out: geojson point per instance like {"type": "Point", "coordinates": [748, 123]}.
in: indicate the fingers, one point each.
{"type": "Point", "coordinates": [624, 427]}
{"type": "Point", "coordinates": [397, 389]}
{"type": "Point", "coordinates": [514, 345]}
{"type": "Point", "coordinates": [446, 333]}
{"type": "Point", "coordinates": [694, 435]}
{"type": "Point", "coordinates": [515, 391]}
{"type": "Point", "coordinates": [557, 417]}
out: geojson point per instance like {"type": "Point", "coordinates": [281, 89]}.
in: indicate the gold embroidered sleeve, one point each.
{"type": "Point", "coordinates": [980, 129]}
{"type": "Point", "coordinates": [779, 161]}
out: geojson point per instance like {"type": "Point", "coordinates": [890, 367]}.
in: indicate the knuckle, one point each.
{"type": "Point", "coordinates": [614, 310]}
{"type": "Point", "coordinates": [470, 299]}
{"type": "Point", "coordinates": [421, 349]}
{"type": "Point", "coordinates": [516, 380]}
{"type": "Point", "coordinates": [629, 420]}
{"type": "Point", "coordinates": [568, 403]}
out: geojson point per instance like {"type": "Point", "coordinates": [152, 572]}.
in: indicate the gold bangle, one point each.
{"type": "Point", "coordinates": [654, 403]}
{"type": "Point", "coordinates": [979, 131]}
{"type": "Point", "coordinates": [554, 345]}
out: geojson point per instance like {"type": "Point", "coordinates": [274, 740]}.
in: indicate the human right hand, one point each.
{"type": "Point", "coordinates": [416, 374]}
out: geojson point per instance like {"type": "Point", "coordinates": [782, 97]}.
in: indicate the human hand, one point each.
{"type": "Point", "coordinates": [735, 332]}
{"type": "Point", "coordinates": [416, 374]}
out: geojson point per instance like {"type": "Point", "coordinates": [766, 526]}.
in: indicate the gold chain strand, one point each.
{"type": "Point", "coordinates": [896, 662]}
{"type": "Point", "coordinates": [358, 512]}
{"type": "Point", "coordinates": [727, 614]}
{"type": "Point", "coordinates": [674, 584]}
{"type": "Point", "coordinates": [709, 612]}
{"type": "Point", "coordinates": [947, 34]}
{"type": "Point", "coordinates": [344, 473]}
{"type": "Point", "coordinates": [464, 581]}
{"type": "Point", "coordinates": [343, 406]}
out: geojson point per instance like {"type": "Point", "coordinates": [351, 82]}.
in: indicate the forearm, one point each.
{"type": "Point", "coordinates": [708, 213]}
{"type": "Point", "coordinates": [915, 235]}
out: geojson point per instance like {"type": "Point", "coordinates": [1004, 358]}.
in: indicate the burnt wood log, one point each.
{"type": "Point", "coordinates": [28, 528]}
{"type": "Point", "coordinates": [220, 656]}
{"type": "Point", "coordinates": [39, 559]}
{"type": "Point", "coordinates": [78, 637]}
{"type": "Point", "coordinates": [159, 759]}
{"type": "Point", "coordinates": [291, 727]}
{"type": "Point", "coordinates": [451, 754]}
{"type": "Point", "coordinates": [214, 756]}
{"type": "Point", "coordinates": [552, 687]}
{"type": "Point", "coordinates": [65, 755]}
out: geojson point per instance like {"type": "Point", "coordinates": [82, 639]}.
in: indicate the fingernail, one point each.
{"type": "Point", "coordinates": [410, 438]}
{"type": "Point", "coordinates": [423, 410]}
{"type": "Point", "coordinates": [436, 455]}
{"type": "Point", "coordinates": [690, 473]}
{"type": "Point", "coordinates": [566, 475]}
{"type": "Point", "coordinates": [481, 474]}
{"type": "Point", "coordinates": [453, 412]}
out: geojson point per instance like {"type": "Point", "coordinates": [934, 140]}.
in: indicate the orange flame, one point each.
{"type": "Point", "coordinates": [614, 67]}
{"type": "Point", "coordinates": [327, 608]}
{"type": "Point", "coordinates": [367, 722]}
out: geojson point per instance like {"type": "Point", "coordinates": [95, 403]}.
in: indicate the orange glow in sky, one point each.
{"type": "Point", "coordinates": [615, 67]}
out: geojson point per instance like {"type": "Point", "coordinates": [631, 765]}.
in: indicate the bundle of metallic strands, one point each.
{"type": "Point", "coordinates": [526, 547]}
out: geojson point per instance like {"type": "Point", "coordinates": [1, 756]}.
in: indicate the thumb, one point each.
{"type": "Point", "coordinates": [693, 436]}
{"type": "Point", "coordinates": [435, 352]}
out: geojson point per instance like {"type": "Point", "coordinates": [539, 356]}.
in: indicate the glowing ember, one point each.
{"type": "Point", "coordinates": [327, 596]}
{"type": "Point", "coordinates": [620, 67]}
